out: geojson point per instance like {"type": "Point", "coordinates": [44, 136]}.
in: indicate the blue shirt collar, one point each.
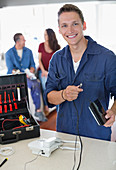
{"type": "Point", "coordinates": [91, 48]}
{"type": "Point", "coordinates": [15, 48]}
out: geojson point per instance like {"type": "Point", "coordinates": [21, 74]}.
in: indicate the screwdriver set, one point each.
{"type": "Point", "coordinates": [10, 97]}
{"type": "Point", "coordinates": [14, 105]}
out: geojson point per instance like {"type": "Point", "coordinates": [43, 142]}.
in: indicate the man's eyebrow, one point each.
{"type": "Point", "coordinates": [63, 23]}
{"type": "Point", "coordinates": [77, 21]}
{"type": "Point", "coordinates": [72, 22]}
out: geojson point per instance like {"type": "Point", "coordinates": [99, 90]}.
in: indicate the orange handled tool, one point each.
{"type": "Point", "coordinates": [5, 106]}
{"type": "Point", "coordinates": [15, 104]}
{"type": "Point", "coordinates": [10, 105]}
{"type": "Point", "coordinates": [0, 103]}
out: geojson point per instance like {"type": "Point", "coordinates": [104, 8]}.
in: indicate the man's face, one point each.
{"type": "Point", "coordinates": [71, 27]}
{"type": "Point", "coordinates": [22, 41]}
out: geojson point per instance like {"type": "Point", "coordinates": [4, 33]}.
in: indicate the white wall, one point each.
{"type": "Point", "coordinates": [32, 21]}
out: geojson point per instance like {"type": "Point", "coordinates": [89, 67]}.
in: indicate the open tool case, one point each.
{"type": "Point", "coordinates": [16, 121]}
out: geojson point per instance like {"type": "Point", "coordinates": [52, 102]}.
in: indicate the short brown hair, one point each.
{"type": "Point", "coordinates": [70, 8]}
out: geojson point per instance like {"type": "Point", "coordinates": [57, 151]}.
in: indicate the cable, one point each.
{"type": "Point", "coordinates": [6, 151]}
{"type": "Point", "coordinates": [30, 161]}
{"type": "Point", "coordinates": [21, 126]}
{"type": "Point", "coordinates": [76, 142]}
{"type": "Point", "coordinates": [10, 120]}
{"type": "Point", "coordinates": [75, 153]}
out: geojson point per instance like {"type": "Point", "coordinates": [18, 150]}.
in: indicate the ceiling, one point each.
{"type": "Point", "coordinates": [5, 3]}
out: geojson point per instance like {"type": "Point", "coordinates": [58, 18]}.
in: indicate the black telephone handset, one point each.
{"type": "Point", "coordinates": [98, 112]}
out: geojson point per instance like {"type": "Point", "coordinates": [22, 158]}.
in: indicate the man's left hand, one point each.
{"type": "Point", "coordinates": [111, 118]}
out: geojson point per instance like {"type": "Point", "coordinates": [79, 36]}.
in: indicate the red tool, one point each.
{"type": "Point", "coordinates": [5, 106]}
{"type": "Point", "coordinates": [0, 103]}
{"type": "Point", "coordinates": [10, 105]}
{"type": "Point", "coordinates": [15, 104]}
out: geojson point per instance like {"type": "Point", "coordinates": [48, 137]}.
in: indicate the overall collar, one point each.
{"type": "Point", "coordinates": [91, 48]}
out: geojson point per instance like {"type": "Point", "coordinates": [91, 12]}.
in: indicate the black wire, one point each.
{"type": "Point", "coordinates": [75, 154]}
{"type": "Point", "coordinates": [80, 158]}
{"type": "Point", "coordinates": [80, 153]}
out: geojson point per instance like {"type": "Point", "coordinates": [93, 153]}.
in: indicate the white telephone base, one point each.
{"type": "Point", "coordinates": [45, 147]}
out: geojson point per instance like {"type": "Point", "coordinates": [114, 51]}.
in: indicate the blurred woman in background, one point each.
{"type": "Point", "coordinates": [46, 50]}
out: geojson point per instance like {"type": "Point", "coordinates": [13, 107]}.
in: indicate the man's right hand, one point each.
{"type": "Point", "coordinates": [14, 71]}
{"type": "Point", "coordinates": [71, 92]}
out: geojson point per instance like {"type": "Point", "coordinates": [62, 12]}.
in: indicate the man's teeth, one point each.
{"type": "Point", "coordinates": [71, 36]}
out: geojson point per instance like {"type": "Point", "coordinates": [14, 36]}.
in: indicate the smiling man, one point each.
{"type": "Point", "coordinates": [84, 62]}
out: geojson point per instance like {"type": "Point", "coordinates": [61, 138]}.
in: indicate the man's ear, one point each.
{"type": "Point", "coordinates": [84, 26]}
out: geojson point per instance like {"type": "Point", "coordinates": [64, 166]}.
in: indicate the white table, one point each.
{"type": "Point", "coordinates": [97, 155]}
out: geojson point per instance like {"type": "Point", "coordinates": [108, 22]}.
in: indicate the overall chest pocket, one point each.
{"type": "Point", "coordinates": [94, 85]}
{"type": "Point", "coordinates": [93, 77]}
